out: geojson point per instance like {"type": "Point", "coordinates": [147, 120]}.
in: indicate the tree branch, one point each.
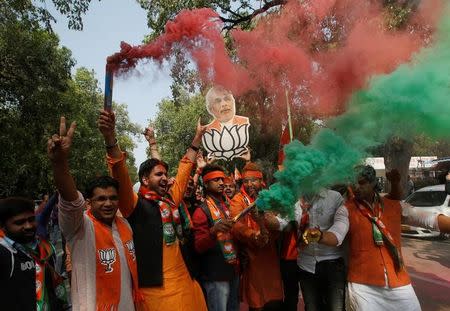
{"type": "Point", "coordinates": [223, 8]}
{"type": "Point", "coordinates": [233, 22]}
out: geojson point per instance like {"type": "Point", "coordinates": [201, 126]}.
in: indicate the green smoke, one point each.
{"type": "Point", "coordinates": [414, 99]}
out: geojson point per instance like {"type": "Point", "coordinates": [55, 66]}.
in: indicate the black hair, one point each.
{"type": "Point", "coordinates": [211, 168]}
{"type": "Point", "coordinates": [14, 206]}
{"type": "Point", "coordinates": [369, 173]}
{"type": "Point", "coordinates": [147, 166]}
{"type": "Point", "coordinates": [100, 182]}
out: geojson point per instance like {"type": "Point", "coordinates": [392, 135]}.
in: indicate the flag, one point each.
{"type": "Point", "coordinates": [237, 174]}
{"type": "Point", "coordinates": [284, 140]}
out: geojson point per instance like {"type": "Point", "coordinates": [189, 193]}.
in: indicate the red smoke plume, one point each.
{"type": "Point", "coordinates": [292, 49]}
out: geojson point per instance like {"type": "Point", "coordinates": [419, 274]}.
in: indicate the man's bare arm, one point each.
{"type": "Point", "coordinates": [58, 148]}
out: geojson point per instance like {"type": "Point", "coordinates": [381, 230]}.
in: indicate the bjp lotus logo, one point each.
{"type": "Point", "coordinates": [227, 143]}
{"type": "Point", "coordinates": [107, 258]}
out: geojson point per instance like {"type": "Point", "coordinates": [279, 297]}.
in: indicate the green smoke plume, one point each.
{"type": "Point", "coordinates": [414, 99]}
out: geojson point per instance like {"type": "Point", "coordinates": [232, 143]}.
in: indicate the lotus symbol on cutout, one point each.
{"type": "Point", "coordinates": [227, 143]}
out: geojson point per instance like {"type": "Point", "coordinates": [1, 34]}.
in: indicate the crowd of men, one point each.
{"type": "Point", "coordinates": [176, 244]}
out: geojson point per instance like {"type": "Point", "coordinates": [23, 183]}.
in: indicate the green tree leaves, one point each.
{"type": "Point", "coordinates": [35, 90]}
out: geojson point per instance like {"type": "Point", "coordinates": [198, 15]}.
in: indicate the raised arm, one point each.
{"type": "Point", "coordinates": [116, 163]}
{"type": "Point", "coordinates": [396, 192]}
{"type": "Point", "coordinates": [43, 218]}
{"type": "Point", "coordinates": [58, 149]}
{"type": "Point", "coordinates": [71, 203]}
{"type": "Point", "coordinates": [149, 134]}
{"type": "Point", "coordinates": [185, 167]}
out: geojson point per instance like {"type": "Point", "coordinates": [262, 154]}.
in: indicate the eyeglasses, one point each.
{"type": "Point", "coordinates": [104, 198]}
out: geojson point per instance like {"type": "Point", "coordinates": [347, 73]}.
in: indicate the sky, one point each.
{"type": "Point", "coordinates": [106, 24]}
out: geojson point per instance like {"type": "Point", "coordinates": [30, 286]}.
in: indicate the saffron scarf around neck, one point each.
{"type": "Point", "coordinates": [218, 210]}
{"type": "Point", "coordinates": [170, 216]}
{"type": "Point", "coordinates": [41, 255]}
{"type": "Point", "coordinates": [108, 275]}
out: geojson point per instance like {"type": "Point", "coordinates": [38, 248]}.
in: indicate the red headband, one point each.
{"type": "Point", "coordinates": [252, 174]}
{"type": "Point", "coordinates": [228, 179]}
{"type": "Point", "coordinates": [213, 175]}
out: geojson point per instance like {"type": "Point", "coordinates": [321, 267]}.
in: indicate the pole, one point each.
{"type": "Point", "coordinates": [291, 135]}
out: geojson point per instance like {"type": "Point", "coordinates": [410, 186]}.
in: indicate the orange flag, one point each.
{"type": "Point", "coordinates": [284, 140]}
{"type": "Point", "coordinates": [237, 174]}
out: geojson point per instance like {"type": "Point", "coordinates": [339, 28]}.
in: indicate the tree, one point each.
{"type": "Point", "coordinates": [35, 89]}
{"type": "Point", "coordinates": [175, 126]}
{"type": "Point", "coordinates": [36, 12]}
{"type": "Point", "coordinates": [233, 13]}
{"type": "Point", "coordinates": [425, 146]}
{"type": "Point", "coordinates": [33, 75]}
{"type": "Point", "coordinates": [82, 103]}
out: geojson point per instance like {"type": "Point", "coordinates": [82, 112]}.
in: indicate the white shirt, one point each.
{"type": "Point", "coordinates": [78, 229]}
{"type": "Point", "coordinates": [329, 214]}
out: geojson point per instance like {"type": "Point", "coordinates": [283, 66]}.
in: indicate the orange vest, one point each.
{"type": "Point", "coordinates": [368, 261]}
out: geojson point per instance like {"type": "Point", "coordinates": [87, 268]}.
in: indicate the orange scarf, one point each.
{"type": "Point", "coordinates": [251, 223]}
{"type": "Point", "coordinates": [224, 239]}
{"type": "Point", "coordinates": [108, 274]}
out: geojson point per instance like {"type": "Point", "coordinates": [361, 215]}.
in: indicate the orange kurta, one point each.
{"type": "Point", "coordinates": [179, 291]}
{"type": "Point", "coordinates": [261, 278]}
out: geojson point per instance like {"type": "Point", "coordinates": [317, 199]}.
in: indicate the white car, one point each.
{"type": "Point", "coordinates": [432, 199]}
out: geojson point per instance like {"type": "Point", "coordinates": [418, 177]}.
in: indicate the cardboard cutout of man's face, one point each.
{"type": "Point", "coordinates": [226, 136]}
{"type": "Point", "coordinates": [222, 105]}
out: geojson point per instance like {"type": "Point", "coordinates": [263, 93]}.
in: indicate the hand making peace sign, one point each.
{"type": "Point", "coordinates": [58, 146]}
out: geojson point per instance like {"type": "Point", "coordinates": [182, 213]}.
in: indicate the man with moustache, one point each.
{"type": "Point", "coordinates": [221, 105]}
{"type": "Point", "coordinates": [229, 187]}
{"type": "Point", "coordinates": [377, 275]}
{"type": "Point", "coordinates": [104, 272]}
{"type": "Point", "coordinates": [165, 276]}
{"type": "Point", "coordinates": [261, 285]}
{"type": "Point", "coordinates": [214, 244]}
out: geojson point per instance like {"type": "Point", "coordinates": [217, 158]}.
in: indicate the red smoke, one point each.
{"type": "Point", "coordinates": [289, 50]}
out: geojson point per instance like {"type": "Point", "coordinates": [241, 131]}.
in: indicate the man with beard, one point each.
{"type": "Point", "coordinates": [165, 280]}
{"type": "Point", "coordinates": [26, 262]}
{"type": "Point", "coordinates": [261, 285]}
{"type": "Point", "coordinates": [214, 244]}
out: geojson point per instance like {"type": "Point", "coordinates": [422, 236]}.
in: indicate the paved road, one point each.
{"type": "Point", "coordinates": [428, 263]}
